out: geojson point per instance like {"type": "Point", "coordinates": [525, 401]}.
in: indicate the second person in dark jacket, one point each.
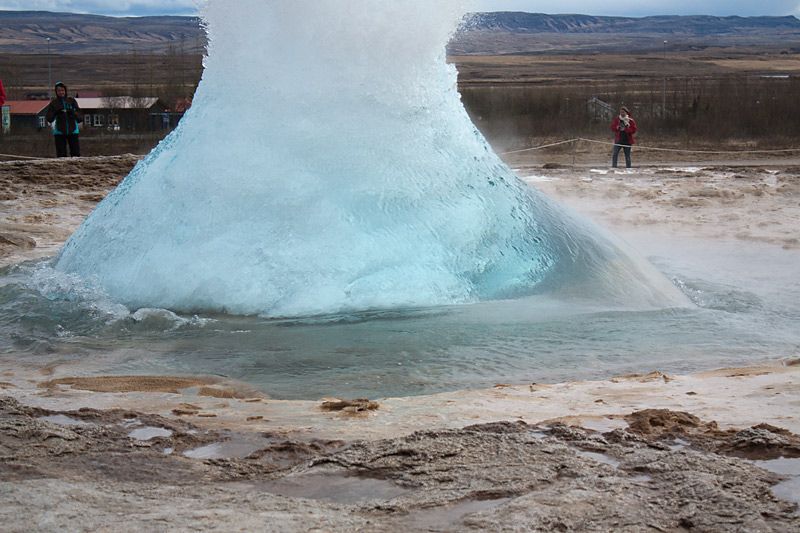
{"type": "Point", "coordinates": [65, 115]}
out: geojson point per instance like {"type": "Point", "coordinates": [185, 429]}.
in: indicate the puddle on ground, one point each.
{"type": "Point", "coordinates": [234, 448]}
{"type": "Point", "coordinates": [678, 444]}
{"type": "Point", "coordinates": [603, 425]}
{"type": "Point", "coordinates": [788, 490]}
{"type": "Point", "coordinates": [148, 433]}
{"type": "Point", "coordinates": [538, 434]}
{"type": "Point", "coordinates": [335, 488]}
{"type": "Point", "coordinates": [63, 420]}
{"type": "Point", "coordinates": [783, 466]}
{"type": "Point", "coordinates": [437, 518]}
{"type": "Point", "coordinates": [599, 457]}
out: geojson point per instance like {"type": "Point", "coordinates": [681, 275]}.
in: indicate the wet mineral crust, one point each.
{"type": "Point", "coordinates": [83, 470]}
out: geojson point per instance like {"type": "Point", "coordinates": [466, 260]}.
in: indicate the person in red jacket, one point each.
{"type": "Point", "coordinates": [624, 128]}
{"type": "Point", "coordinates": [2, 94]}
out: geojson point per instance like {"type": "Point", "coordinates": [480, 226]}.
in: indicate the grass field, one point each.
{"type": "Point", "coordinates": [732, 95]}
{"type": "Point", "coordinates": [29, 72]}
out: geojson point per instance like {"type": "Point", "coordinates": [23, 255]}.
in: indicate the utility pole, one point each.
{"type": "Point", "coordinates": [664, 87]}
{"type": "Point", "coordinates": [49, 71]}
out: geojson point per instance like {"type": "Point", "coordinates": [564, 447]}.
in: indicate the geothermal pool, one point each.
{"type": "Point", "coordinates": [742, 313]}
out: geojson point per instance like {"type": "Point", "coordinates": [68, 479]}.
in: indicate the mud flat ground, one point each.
{"type": "Point", "coordinates": [715, 451]}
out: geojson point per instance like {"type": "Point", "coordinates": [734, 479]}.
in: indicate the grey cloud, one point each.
{"type": "Point", "coordinates": [106, 7]}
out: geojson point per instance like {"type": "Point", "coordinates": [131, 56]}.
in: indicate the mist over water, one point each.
{"type": "Point", "coordinates": [328, 165]}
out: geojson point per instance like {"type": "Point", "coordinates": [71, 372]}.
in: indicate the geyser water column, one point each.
{"type": "Point", "coordinates": [327, 164]}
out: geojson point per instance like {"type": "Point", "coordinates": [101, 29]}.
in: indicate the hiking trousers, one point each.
{"type": "Point", "coordinates": [615, 155]}
{"type": "Point", "coordinates": [61, 145]}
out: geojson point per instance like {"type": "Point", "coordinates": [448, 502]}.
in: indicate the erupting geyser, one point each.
{"type": "Point", "coordinates": [328, 164]}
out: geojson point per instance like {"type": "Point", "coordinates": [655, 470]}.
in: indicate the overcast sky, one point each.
{"type": "Point", "coordinates": [589, 7]}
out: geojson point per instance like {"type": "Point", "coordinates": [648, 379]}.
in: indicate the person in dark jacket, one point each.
{"type": "Point", "coordinates": [65, 115]}
{"type": "Point", "coordinates": [624, 128]}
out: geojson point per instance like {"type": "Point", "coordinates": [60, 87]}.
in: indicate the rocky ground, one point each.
{"type": "Point", "coordinates": [758, 203]}
{"type": "Point", "coordinates": [121, 470]}
{"type": "Point", "coordinates": [42, 202]}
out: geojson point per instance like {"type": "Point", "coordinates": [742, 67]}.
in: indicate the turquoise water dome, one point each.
{"type": "Point", "coordinates": [327, 165]}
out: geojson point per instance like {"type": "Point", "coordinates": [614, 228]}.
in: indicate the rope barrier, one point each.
{"type": "Point", "coordinates": [653, 148]}
{"type": "Point", "coordinates": [638, 147]}
{"type": "Point", "coordinates": [568, 141]}
{"type": "Point", "coordinates": [22, 157]}
{"type": "Point", "coordinates": [540, 147]}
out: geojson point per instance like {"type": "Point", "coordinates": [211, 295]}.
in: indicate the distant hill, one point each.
{"type": "Point", "coordinates": [537, 33]}
{"type": "Point", "coordinates": [518, 22]}
{"type": "Point", "coordinates": [26, 32]}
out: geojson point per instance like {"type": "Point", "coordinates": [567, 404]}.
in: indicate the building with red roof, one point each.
{"type": "Point", "coordinates": [113, 113]}
{"type": "Point", "coordinates": [27, 114]}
